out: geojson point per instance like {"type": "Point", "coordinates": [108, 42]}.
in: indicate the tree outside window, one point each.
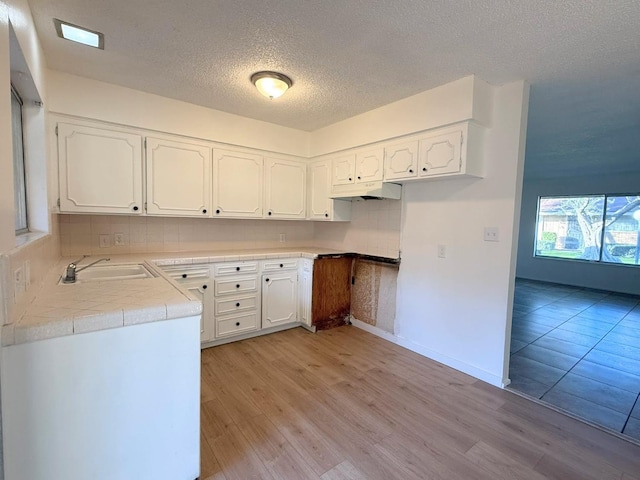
{"type": "Point", "coordinates": [598, 228]}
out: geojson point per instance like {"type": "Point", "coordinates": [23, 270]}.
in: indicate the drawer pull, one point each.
{"type": "Point", "coordinates": [238, 304]}
{"type": "Point", "coordinates": [184, 275]}
{"type": "Point", "coordinates": [266, 280]}
{"type": "Point", "coordinates": [237, 285]}
{"type": "Point", "coordinates": [237, 324]}
{"type": "Point", "coordinates": [237, 269]}
{"type": "Point", "coordinates": [281, 265]}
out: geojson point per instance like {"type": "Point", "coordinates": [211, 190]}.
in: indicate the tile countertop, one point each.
{"type": "Point", "coordinates": [60, 310]}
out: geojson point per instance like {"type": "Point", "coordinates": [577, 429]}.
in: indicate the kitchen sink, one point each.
{"type": "Point", "coordinates": [104, 273]}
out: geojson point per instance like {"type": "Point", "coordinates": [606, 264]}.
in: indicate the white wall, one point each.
{"type": "Point", "coordinates": [83, 97]}
{"type": "Point", "coordinates": [453, 102]}
{"type": "Point", "coordinates": [457, 309]}
{"type": "Point", "coordinates": [617, 278]}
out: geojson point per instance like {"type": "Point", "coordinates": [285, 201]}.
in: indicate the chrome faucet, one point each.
{"type": "Point", "coordinates": [72, 269]}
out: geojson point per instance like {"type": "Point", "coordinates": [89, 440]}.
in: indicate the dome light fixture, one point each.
{"type": "Point", "coordinates": [271, 84]}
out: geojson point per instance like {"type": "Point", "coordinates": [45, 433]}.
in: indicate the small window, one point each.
{"type": "Point", "coordinates": [19, 180]}
{"type": "Point", "coordinates": [597, 228]}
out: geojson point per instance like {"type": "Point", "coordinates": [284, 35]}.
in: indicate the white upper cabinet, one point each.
{"type": "Point", "coordinates": [178, 178]}
{"type": "Point", "coordinates": [100, 169]}
{"type": "Point", "coordinates": [285, 188]}
{"type": "Point", "coordinates": [370, 165]}
{"type": "Point", "coordinates": [440, 154]}
{"type": "Point", "coordinates": [321, 207]}
{"type": "Point", "coordinates": [401, 160]}
{"type": "Point", "coordinates": [237, 184]}
{"type": "Point", "coordinates": [344, 170]}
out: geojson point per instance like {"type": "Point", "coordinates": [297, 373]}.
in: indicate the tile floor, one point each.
{"type": "Point", "coordinates": [579, 350]}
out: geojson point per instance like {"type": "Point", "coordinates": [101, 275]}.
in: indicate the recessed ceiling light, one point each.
{"type": "Point", "coordinates": [271, 84]}
{"type": "Point", "coordinates": [72, 32]}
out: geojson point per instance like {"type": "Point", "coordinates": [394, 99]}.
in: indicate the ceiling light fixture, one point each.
{"type": "Point", "coordinates": [77, 34]}
{"type": "Point", "coordinates": [271, 84]}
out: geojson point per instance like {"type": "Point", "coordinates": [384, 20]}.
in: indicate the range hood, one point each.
{"type": "Point", "coordinates": [367, 191]}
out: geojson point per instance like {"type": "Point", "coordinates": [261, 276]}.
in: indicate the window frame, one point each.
{"type": "Point", "coordinates": [602, 232]}
{"type": "Point", "coordinates": [19, 168]}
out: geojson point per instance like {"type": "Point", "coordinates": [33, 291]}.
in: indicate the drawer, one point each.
{"type": "Point", "coordinates": [236, 304]}
{"type": "Point", "coordinates": [231, 268]}
{"type": "Point", "coordinates": [237, 324]}
{"type": "Point", "coordinates": [236, 285]}
{"type": "Point", "coordinates": [276, 265]}
{"type": "Point", "coordinates": [183, 273]}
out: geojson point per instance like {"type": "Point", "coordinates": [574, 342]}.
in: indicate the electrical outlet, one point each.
{"type": "Point", "coordinates": [491, 234]}
{"type": "Point", "coordinates": [27, 274]}
{"type": "Point", "coordinates": [118, 239]}
{"type": "Point", "coordinates": [18, 282]}
{"type": "Point", "coordinates": [283, 237]}
{"type": "Point", "coordinates": [442, 251]}
{"type": "Point", "coordinates": [105, 240]}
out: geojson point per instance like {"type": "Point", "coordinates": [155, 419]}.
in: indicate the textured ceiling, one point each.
{"type": "Point", "coordinates": [582, 58]}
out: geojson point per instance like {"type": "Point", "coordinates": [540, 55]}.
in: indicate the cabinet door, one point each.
{"type": "Point", "coordinates": [441, 154]}
{"type": "Point", "coordinates": [401, 160]}
{"type": "Point", "coordinates": [100, 170]}
{"type": "Point", "coordinates": [279, 299]}
{"type": "Point", "coordinates": [369, 165]}
{"type": "Point", "coordinates": [201, 292]}
{"type": "Point", "coordinates": [237, 184]}
{"type": "Point", "coordinates": [285, 188]}
{"type": "Point", "coordinates": [319, 186]}
{"type": "Point", "coordinates": [178, 178]}
{"type": "Point", "coordinates": [344, 169]}
{"type": "Point", "coordinates": [305, 292]}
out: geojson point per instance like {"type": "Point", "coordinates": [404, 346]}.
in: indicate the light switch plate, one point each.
{"type": "Point", "coordinates": [118, 239]}
{"type": "Point", "coordinates": [105, 240]}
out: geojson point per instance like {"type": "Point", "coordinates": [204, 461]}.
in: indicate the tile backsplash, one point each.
{"type": "Point", "coordinates": [34, 259]}
{"type": "Point", "coordinates": [81, 234]}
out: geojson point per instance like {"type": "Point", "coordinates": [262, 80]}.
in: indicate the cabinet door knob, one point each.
{"type": "Point", "coordinates": [411, 170]}
{"type": "Point", "coordinates": [424, 169]}
{"type": "Point", "coordinates": [184, 275]}
{"type": "Point", "coordinates": [266, 279]}
{"type": "Point", "coordinates": [350, 178]}
{"type": "Point", "coordinates": [237, 324]}
{"type": "Point", "coordinates": [326, 215]}
{"type": "Point", "coordinates": [269, 213]}
{"type": "Point", "coordinates": [204, 210]}
{"type": "Point", "coordinates": [238, 304]}
{"type": "Point", "coordinates": [237, 269]}
{"type": "Point", "coordinates": [204, 287]}
{"type": "Point", "coordinates": [218, 210]}
{"type": "Point", "coordinates": [135, 208]}
{"type": "Point", "coordinates": [237, 285]}
{"type": "Point", "coordinates": [359, 177]}
{"type": "Point", "coordinates": [281, 265]}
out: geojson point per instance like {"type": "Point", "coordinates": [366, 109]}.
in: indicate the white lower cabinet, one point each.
{"type": "Point", "coordinates": [279, 298]}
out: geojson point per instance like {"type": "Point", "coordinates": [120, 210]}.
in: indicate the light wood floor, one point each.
{"type": "Point", "coordinates": [344, 404]}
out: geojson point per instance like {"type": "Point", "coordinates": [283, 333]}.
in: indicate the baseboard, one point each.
{"type": "Point", "coordinates": [433, 355]}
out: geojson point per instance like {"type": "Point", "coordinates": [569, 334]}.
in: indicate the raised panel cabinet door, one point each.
{"type": "Point", "coordinates": [178, 178]}
{"type": "Point", "coordinates": [100, 170]}
{"type": "Point", "coordinates": [344, 169]}
{"type": "Point", "coordinates": [319, 187]}
{"type": "Point", "coordinates": [279, 299]}
{"type": "Point", "coordinates": [206, 319]}
{"type": "Point", "coordinates": [401, 160]}
{"type": "Point", "coordinates": [441, 154]}
{"type": "Point", "coordinates": [237, 184]}
{"type": "Point", "coordinates": [369, 165]}
{"type": "Point", "coordinates": [285, 188]}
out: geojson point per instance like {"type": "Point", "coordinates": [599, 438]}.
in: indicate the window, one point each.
{"type": "Point", "coordinates": [19, 181]}
{"type": "Point", "coordinates": [598, 228]}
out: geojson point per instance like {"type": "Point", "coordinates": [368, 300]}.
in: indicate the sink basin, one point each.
{"type": "Point", "coordinates": [107, 272]}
